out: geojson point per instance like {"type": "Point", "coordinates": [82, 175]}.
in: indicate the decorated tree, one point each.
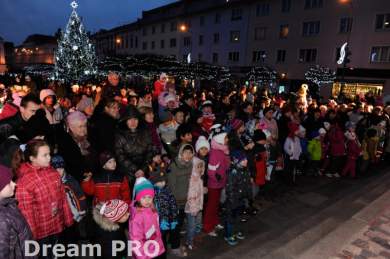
{"type": "Point", "coordinates": [264, 76]}
{"type": "Point", "coordinates": [75, 57]}
{"type": "Point", "coordinates": [320, 75]}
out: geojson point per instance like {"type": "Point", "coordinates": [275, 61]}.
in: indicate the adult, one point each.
{"type": "Point", "coordinates": [74, 147]}
{"type": "Point", "coordinates": [111, 88]}
{"type": "Point", "coordinates": [15, 125]}
{"type": "Point", "coordinates": [133, 145]}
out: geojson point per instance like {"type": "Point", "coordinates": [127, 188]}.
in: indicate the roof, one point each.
{"type": "Point", "coordinates": [40, 39]}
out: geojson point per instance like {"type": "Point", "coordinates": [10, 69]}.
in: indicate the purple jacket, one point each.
{"type": "Point", "coordinates": [219, 162]}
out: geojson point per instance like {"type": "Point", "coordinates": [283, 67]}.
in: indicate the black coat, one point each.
{"type": "Point", "coordinates": [133, 151]}
{"type": "Point", "coordinates": [11, 126]}
{"type": "Point", "coordinates": [14, 230]}
{"type": "Point", "coordinates": [102, 133]}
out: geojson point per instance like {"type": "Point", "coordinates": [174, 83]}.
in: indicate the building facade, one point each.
{"type": "Point", "coordinates": [36, 49]}
{"type": "Point", "coordinates": [288, 35]}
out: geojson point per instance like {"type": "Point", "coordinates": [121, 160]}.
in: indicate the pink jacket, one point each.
{"type": "Point", "coordinates": [144, 226]}
{"type": "Point", "coordinates": [219, 162]}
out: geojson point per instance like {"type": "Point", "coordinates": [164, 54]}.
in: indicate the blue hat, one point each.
{"type": "Point", "coordinates": [57, 162]}
{"type": "Point", "coordinates": [238, 156]}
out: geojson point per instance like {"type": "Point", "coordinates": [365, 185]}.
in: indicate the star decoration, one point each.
{"type": "Point", "coordinates": [74, 5]}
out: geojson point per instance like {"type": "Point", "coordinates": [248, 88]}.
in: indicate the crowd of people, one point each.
{"type": "Point", "coordinates": [166, 163]}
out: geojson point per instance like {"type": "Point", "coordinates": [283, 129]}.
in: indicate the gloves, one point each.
{"type": "Point", "coordinates": [164, 225]}
{"type": "Point", "coordinates": [173, 225]}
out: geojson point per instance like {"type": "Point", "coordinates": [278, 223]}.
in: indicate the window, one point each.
{"type": "Point", "coordinates": [258, 56]}
{"type": "Point", "coordinates": [382, 21]}
{"type": "Point", "coordinates": [173, 26]}
{"type": "Point", "coordinates": [144, 45]}
{"type": "Point", "coordinates": [144, 31]}
{"type": "Point", "coordinates": [200, 40]}
{"type": "Point", "coordinates": [153, 45]}
{"type": "Point", "coordinates": [215, 58]}
{"type": "Point", "coordinates": [380, 54]}
{"type": "Point", "coordinates": [216, 38]}
{"type": "Point", "coordinates": [235, 36]}
{"type": "Point", "coordinates": [236, 14]}
{"type": "Point", "coordinates": [281, 56]}
{"type": "Point", "coordinates": [234, 56]}
{"type": "Point", "coordinates": [286, 6]}
{"type": "Point", "coordinates": [307, 55]}
{"type": "Point", "coordinates": [187, 41]}
{"type": "Point", "coordinates": [154, 30]}
{"type": "Point", "coordinates": [201, 21]}
{"type": "Point", "coordinates": [346, 25]}
{"type": "Point", "coordinates": [284, 30]}
{"type": "Point", "coordinates": [310, 4]}
{"type": "Point", "coordinates": [162, 44]}
{"type": "Point", "coordinates": [260, 33]}
{"type": "Point", "coordinates": [173, 43]}
{"type": "Point", "coordinates": [163, 28]}
{"type": "Point", "coordinates": [262, 9]}
{"type": "Point", "coordinates": [200, 56]}
{"type": "Point", "coordinates": [217, 18]}
{"type": "Point", "coordinates": [311, 28]}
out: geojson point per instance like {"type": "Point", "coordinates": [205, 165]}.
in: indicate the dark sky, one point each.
{"type": "Point", "coordinates": [20, 18]}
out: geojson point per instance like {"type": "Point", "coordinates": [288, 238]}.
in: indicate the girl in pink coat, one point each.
{"type": "Point", "coordinates": [144, 224]}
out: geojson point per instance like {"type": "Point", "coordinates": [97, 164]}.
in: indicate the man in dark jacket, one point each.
{"type": "Point", "coordinates": [16, 124]}
{"type": "Point", "coordinates": [133, 146]}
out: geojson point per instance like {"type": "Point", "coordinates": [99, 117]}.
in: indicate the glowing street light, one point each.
{"type": "Point", "coordinates": [118, 41]}
{"type": "Point", "coordinates": [183, 28]}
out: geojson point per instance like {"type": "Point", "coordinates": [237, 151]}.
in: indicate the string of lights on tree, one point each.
{"type": "Point", "coordinates": [320, 75]}
{"type": "Point", "coordinates": [75, 57]}
{"type": "Point", "coordinates": [263, 76]}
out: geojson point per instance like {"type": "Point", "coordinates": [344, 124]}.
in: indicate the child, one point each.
{"type": "Point", "coordinates": [109, 183]}
{"type": "Point", "coordinates": [144, 222]}
{"type": "Point", "coordinates": [353, 151]}
{"type": "Point", "coordinates": [108, 216]}
{"type": "Point", "coordinates": [315, 153]}
{"type": "Point", "coordinates": [303, 161]}
{"type": "Point", "coordinates": [14, 230]}
{"type": "Point", "coordinates": [76, 200]}
{"type": "Point", "coordinates": [194, 205]}
{"type": "Point", "coordinates": [238, 190]}
{"type": "Point", "coordinates": [261, 158]}
{"type": "Point", "coordinates": [370, 149]}
{"type": "Point", "coordinates": [202, 148]}
{"type": "Point", "coordinates": [219, 162]}
{"type": "Point", "coordinates": [41, 195]}
{"type": "Point", "coordinates": [179, 180]}
{"type": "Point", "coordinates": [336, 149]}
{"type": "Point", "coordinates": [166, 206]}
{"type": "Point", "coordinates": [292, 147]}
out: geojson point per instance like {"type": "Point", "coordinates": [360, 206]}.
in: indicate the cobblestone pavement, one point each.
{"type": "Point", "coordinates": [372, 242]}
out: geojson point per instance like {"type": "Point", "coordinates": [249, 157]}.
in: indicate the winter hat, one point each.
{"type": "Point", "coordinates": [104, 157]}
{"type": "Point", "coordinates": [130, 113]}
{"type": "Point", "coordinates": [301, 129]}
{"type": "Point", "coordinates": [236, 124]}
{"type": "Point", "coordinates": [293, 127]}
{"type": "Point", "coordinates": [142, 187]}
{"type": "Point", "coordinates": [5, 176]}
{"type": "Point", "coordinates": [169, 98]}
{"type": "Point", "coordinates": [322, 131]}
{"type": "Point", "coordinates": [201, 142]}
{"type": "Point", "coordinates": [206, 103]}
{"type": "Point", "coordinates": [349, 125]}
{"type": "Point", "coordinates": [157, 175]}
{"type": "Point", "coordinates": [45, 93]}
{"type": "Point", "coordinates": [315, 134]}
{"type": "Point", "coordinates": [259, 135]}
{"type": "Point", "coordinates": [165, 116]}
{"type": "Point", "coordinates": [114, 210]}
{"type": "Point", "coordinates": [57, 162]}
{"type": "Point", "coordinates": [326, 125]}
{"type": "Point", "coordinates": [218, 134]}
{"type": "Point", "coordinates": [238, 156]}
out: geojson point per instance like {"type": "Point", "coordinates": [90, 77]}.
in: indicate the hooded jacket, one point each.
{"type": "Point", "coordinates": [195, 192]}
{"type": "Point", "coordinates": [219, 162]}
{"type": "Point", "coordinates": [179, 177]}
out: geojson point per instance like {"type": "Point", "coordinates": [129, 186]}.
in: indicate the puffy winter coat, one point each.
{"type": "Point", "coordinates": [314, 149]}
{"type": "Point", "coordinates": [133, 151]}
{"type": "Point", "coordinates": [166, 206]}
{"type": "Point", "coordinates": [336, 139]}
{"type": "Point", "coordinates": [238, 186]}
{"type": "Point", "coordinates": [219, 162]}
{"type": "Point", "coordinates": [195, 192]}
{"type": "Point", "coordinates": [144, 226]}
{"type": "Point", "coordinates": [14, 231]}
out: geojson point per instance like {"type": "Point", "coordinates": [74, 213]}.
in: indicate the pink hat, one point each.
{"type": "Point", "coordinates": [114, 210]}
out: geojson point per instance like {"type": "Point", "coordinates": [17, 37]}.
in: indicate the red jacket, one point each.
{"type": "Point", "coordinates": [261, 158]}
{"type": "Point", "coordinates": [42, 200]}
{"type": "Point", "coordinates": [336, 139]}
{"type": "Point", "coordinates": [158, 89]}
{"type": "Point", "coordinates": [106, 186]}
{"type": "Point", "coordinates": [353, 149]}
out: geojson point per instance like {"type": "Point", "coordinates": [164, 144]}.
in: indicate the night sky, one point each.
{"type": "Point", "coordinates": [20, 18]}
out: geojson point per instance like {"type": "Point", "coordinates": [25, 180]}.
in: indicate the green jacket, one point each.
{"type": "Point", "coordinates": [314, 149]}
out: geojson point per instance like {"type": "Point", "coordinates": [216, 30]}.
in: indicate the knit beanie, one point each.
{"type": "Point", "coordinates": [238, 156]}
{"type": "Point", "coordinates": [293, 127]}
{"type": "Point", "coordinates": [104, 157]}
{"type": "Point", "coordinates": [142, 187]}
{"type": "Point", "coordinates": [322, 131]}
{"type": "Point", "coordinates": [236, 124]}
{"type": "Point", "coordinates": [114, 210]}
{"type": "Point", "coordinates": [201, 142]}
{"type": "Point", "coordinates": [5, 176]}
{"type": "Point", "coordinates": [57, 162]}
{"type": "Point", "coordinates": [218, 134]}
{"type": "Point", "coordinates": [158, 175]}
{"type": "Point", "coordinates": [45, 93]}
{"type": "Point", "coordinates": [349, 125]}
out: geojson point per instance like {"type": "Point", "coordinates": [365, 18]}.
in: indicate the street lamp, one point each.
{"type": "Point", "coordinates": [183, 28]}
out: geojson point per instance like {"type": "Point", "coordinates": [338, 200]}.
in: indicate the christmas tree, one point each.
{"type": "Point", "coordinates": [75, 57]}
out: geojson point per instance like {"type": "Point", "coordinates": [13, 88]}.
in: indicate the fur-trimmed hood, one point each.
{"type": "Point", "coordinates": [103, 222]}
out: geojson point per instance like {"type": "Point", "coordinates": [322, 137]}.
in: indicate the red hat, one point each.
{"type": "Point", "coordinates": [237, 123]}
{"type": "Point", "coordinates": [114, 210]}
{"type": "Point", "coordinates": [293, 127]}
